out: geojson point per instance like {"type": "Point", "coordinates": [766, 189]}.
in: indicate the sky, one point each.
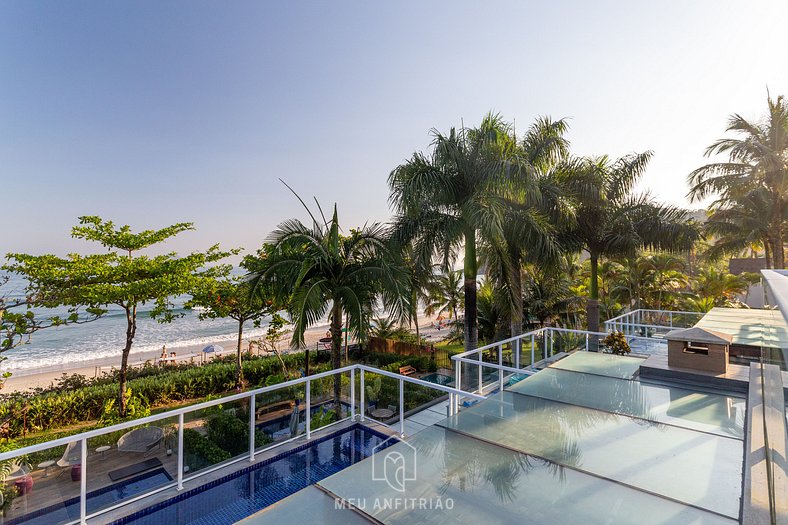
{"type": "Point", "coordinates": [155, 112]}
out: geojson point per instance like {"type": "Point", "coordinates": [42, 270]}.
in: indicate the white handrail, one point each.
{"type": "Point", "coordinates": [214, 402]}
{"type": "Point", "coordinates": [82, 438]}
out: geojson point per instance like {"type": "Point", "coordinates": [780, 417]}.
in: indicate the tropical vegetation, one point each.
{"type": "Point", "coordinates": [497, 232]}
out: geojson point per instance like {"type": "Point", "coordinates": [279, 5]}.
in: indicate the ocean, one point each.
{"type": "Point", "coordinates": [52, 348]}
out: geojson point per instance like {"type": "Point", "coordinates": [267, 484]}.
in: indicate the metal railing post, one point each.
{"type": "Point", "coordinates": [500, 370]}
{"type": "Point", "coordinates": [361, 394]}
{"type": "Point", "coordinates": [533, 351]}
{"type": "Point", "coordinates": [481, 360]}
{"type": "Point", "coordinates": [180, 451]}
{"type": "Point", "coordinates": [544, 343]}
{"type": "Point", "coordinates": [671, 319]}
{"type": "Point", "coordinates": [353, 394]}
{"type": "Point", "coordinates": [308, 410]}
{"type": "Point", "coordinates": [457, 385]}
{"type": "Point", "coordinates": [451, 405]}
{"type": "Point", "coordinates": [518, 347]}
{"type": "Point", "coordinates": [402, 407]}
{"type": "Point", "coordinates": [252, 421]}
{"type": "Point", "coordinates": [83, 482]}
{"type": "Point", "coordinates": [586, 342]}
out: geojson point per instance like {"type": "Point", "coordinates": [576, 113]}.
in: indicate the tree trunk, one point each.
{"type": "Point", "coordinates": [131, 330]}
{"type": "Point", "coordinates": [469, 272]}
{"type": "Point", "coordinates": [415, 300]}
{"type": "Point", "coordinates": [238, 364]}
{"type": "Point", "coordinates": [516, 288]}
{"type": "Point", "coordinates": [767, 253]}
{"type": "Point", "coordinates": [336, 354]}
{"type": "Point", "coordinates": [777, 232]}
{"type": "Point", "coordinates": [592, 306]}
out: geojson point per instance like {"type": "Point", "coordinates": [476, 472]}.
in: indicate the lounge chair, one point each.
{"type": "Point", "coordinates": [71, 456]}
{"type": "Point", "coordinates": [141, 440]}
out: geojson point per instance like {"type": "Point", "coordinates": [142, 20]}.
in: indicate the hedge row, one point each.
{"type": "Point", "coordinates": [68, 407]}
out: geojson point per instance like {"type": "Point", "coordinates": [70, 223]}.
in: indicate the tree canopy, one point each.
{"type": "Point", "coordinates": [119, 277]}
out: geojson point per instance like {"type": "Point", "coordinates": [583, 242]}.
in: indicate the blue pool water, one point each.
{"type": "Point", "coordinates": [98, 499]}
{"type": "Point", "coordinates": [245, 492]}
{"type": "Point", "coordinates": [439, 379]}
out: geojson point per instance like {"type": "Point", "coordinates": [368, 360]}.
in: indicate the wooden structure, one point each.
{"type": "Point", "coordinates": [699, 349]}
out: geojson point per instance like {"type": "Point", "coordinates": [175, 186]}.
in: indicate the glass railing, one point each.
{"type": "Point", "coordinates": [79, 477]}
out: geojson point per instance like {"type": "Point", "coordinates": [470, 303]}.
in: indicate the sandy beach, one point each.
{"type": "Point", "coordinates": [41, 378]}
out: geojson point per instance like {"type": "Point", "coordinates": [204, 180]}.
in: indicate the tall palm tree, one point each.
{"type": "Point", "coordinates": [320, 271]}
{"type": "Point", "coordinates": [757, 158]}
{"type": "Point", "coordinates": [613, 221]}
{"type": "Point", "coordinates": [740, 226]}
{"type": "Point", "coordinates": [452, 197]}
{"type": "Point", "coordinates": [532, 216]}
{"type": "Point", "coordinates": [445, 294]}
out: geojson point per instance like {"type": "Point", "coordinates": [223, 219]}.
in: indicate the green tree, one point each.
{"type": "Point", "coordinates": [230, 297]}
{"type": "Point", "coordinates": [445, 295]}
{"type": "Point", "coordinates": [613, 221]}
{"type": "Point", "coordinates": [121, 277]}
{"type": "Point", "coordinates": [450, 198]}
{"type": "Point", "coordinates": [534, 214]}
{"type": "Point", "coordinates": [757, 158]}
{"type": "Point", "coordinates": [720, 288]}
{"type": "Point", "coordinates": [739, 226]}
{"type": "Point", "coordinates": [319, 271]}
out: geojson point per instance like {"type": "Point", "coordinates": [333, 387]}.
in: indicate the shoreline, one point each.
{"type": "Point", "coordinates": [43, 377]}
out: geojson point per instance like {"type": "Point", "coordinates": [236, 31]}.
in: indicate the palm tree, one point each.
{"type": "Point", "coordinates": [612, 221]}
{"type": "Point", "coordinates": [533, 216]}
{"type": "Point", "coordinates": [445, 294]}
{"type": "Point", "coordinates": [320, 271]}
{"type": "Point", "coordinates": [720, 287]}
{"type": "Point", "coordinates": [757, 158]}
{"type": "Point", "coordinates": [452, 197]}
{"type": "Point", "coordinates": [739, 226]}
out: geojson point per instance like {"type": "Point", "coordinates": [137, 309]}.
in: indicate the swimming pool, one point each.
{"type": "Point", "coordinates": [97, 499]}
{"type": "Point", "coordinates": [439, 379]}
{"type": "Point", "coordinates": [246, 491]}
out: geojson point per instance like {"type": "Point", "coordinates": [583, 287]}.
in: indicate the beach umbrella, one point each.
{"type": "Point", "coordinates": [294, 421]}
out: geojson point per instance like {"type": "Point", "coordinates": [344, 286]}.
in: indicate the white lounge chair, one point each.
{"type": "Point", "coordinates": [141, 440]}
{"type": "Point", "coordinates": [71, 456]}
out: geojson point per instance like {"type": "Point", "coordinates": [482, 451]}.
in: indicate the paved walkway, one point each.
{"type": "Point", "coordinates": [427, 417]}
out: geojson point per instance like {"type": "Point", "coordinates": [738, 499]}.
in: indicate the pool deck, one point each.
{"type": "Point", "coordinates": [56, 486]}
{"type": "Point", "coordinates": [226, 470]}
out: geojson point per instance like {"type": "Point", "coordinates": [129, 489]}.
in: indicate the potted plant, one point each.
{"type": "Point", "coordinates": [616, 343]}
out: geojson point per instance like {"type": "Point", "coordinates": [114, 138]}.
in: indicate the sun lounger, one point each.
{"type": "Point", "coordinates": [137, 468]}
{"type": "Point", "coordinates": [140, 439]}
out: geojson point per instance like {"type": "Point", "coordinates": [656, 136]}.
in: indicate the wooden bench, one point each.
{"type": "Point", "coordinates": [274, 411]}
{"type": "Point", "coordinates": [407, 370]}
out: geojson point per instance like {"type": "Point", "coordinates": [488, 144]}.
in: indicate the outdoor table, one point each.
{"type": "Point", "coordinates": [382, 413]}
{"type": "Point", "coordinates": [102, 450]}
{"type": "Point", "coordinates": [46, 465]}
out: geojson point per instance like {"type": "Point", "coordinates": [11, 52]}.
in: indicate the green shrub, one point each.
{"type": "Point", "coordinates": [232, 433]}
{"type": "Point", "coordinates": [201, 451]}
{"type": "Point", "coordinates": [61, 408]}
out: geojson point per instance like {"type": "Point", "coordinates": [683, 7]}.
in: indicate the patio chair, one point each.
{"type": "Point", "coordinates": [141, 440]}
{"type": "Point", "coordinates": [71, 459]}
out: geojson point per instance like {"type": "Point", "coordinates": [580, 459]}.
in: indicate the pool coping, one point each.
{"type": "Point", "coordinates": [169, 495]}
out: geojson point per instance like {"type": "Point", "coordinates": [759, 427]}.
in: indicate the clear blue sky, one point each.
{"type": "Point", "coordinates": [156, 112]}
